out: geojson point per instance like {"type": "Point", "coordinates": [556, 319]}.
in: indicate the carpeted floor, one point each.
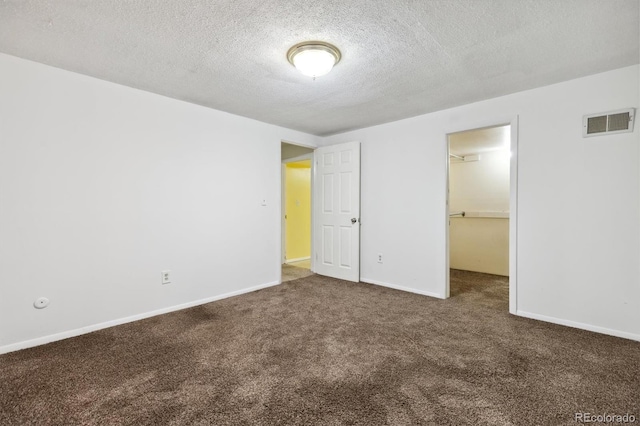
{"type": "Point", "coordinates": [323, 351]}
{"type": "Point", "coordinates": [293, 272]}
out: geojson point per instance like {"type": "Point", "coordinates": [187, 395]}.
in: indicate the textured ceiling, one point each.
{"type": "Point", "coordinates": [401, 58]}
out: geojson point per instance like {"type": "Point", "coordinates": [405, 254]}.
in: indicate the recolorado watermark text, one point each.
{"type": "Point", "coordinates": [604, 418]}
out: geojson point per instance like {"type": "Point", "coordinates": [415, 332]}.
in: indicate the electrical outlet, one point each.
{"type": "Point", "coordinates": [379, 257]}
{"type": "Point", "coordinates": [166, 277]}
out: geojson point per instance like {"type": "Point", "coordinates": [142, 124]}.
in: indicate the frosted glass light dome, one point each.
{"type": "Point", "coordinates": [314, 58]}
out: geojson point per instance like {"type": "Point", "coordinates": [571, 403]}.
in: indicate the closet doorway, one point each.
{"type": "Point", "coordinates": [479, 205]}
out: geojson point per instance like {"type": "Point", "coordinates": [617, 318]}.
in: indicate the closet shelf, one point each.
{"type": "Point", "coordinates": [487, 215]}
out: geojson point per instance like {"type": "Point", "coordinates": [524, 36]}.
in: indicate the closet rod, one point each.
{"type": "Point", "coordinates": [456, 156]}
{"type": "Point", "coordinates": [457, 214]}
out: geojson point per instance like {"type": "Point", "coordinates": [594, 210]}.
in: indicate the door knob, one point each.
{"type": "Point", "coordinates": [353, 220]}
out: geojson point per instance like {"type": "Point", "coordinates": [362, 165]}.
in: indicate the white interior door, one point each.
{"type": "Point", "coordinates": [337, 211]}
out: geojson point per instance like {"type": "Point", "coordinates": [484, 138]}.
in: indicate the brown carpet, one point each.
{"type": "Point", "coordinates": [291, 272]}
{"type": "Point", "coordinates": [324, 351]}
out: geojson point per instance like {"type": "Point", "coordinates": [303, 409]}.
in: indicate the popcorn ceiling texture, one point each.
{"type": "Point", "coordinates": [401, 58]}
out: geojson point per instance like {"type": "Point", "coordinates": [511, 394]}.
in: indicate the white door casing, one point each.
{"type": "Point", "coordinates": [337, 211]}
{"type": "Point", "coordinates": [513, 206]}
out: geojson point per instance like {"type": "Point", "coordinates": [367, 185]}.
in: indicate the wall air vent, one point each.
{"type": "Point", "coordinates": [607, 123]}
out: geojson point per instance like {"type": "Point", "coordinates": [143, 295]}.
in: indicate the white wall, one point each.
{"type": "Point", "coordinates": [103, 186]}
{"type": "Point", "coordinates": [480, 188]}
{"type": "Point", "coordinates": [479, 244]}
{"type": "Point", "coordinates": [578, 201]}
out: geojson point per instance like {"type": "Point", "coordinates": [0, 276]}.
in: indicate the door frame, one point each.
{"type": "Point", "coordinates": [310, 156]}
{"type": "Point", "coordinates": [513, 205]}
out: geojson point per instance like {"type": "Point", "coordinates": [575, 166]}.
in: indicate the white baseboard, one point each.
{"type": "Point", "coordinates": [580, 325]}
{"type": "Point", "coordinates": [399, 287]}
{"type": "Point", "coordinates": [298, 259]}
{"type": "Point", "coordinates": [95, 327]}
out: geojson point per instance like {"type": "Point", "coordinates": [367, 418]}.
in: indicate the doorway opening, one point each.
{"type": "Point", "coordinates": [335, 210]}
{"type": "Point", "coordinates": [480, 201]}
{"type": "Point", "coordinates": [296, 211]}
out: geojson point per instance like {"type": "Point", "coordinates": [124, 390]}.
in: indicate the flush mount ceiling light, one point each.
{"type": "Point", "coordinates": [314, 58]}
